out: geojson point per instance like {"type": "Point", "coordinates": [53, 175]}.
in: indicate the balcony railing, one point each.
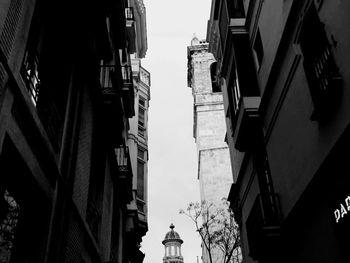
{"type": "Point", "coordinates": [263, 224]}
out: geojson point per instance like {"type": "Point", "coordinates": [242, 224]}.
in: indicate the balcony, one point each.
{"type": "Point", "coordinates": [263, 225]}
{"type": "Point", "coordinates": [130, 30]}
{"type": "Point", "coordinates": [113, 84]}
{"type": "Point", "coordinates": [108, 90]}
{"type": "Point", "coordinates": [124, 171]}
{"type": "Point", "coordinates": [127, 91]}
{"type": "Point", "coordinates": [246, 123]}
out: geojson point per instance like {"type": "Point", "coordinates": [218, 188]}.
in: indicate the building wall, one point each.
{"type": "Point", "coordinates": [138, 140]}
{"type": "Point", "coordinates": [303, 149]}
{"type": "Point", "coordinates": [69, 187]}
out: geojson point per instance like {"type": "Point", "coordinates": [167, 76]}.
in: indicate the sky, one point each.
{"type": "Point", "coordinates": [172, 166]}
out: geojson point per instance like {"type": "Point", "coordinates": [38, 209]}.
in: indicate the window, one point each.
{"type": "Point", "coordinates": [37, 72]}
{"type": "Point", "coordinates": [30, 74]}
{"type": "Point", "coordinates": [141, 116]}
{"type": "Point", "coordinates": [223, 22]}
{"type": "Point", "coordinates": [96, 184]}
{"type": "Point", "coordinates": [142, 102]}
{"type": "Point", "coordinates": [214, 78]}
{"type": "Point", "coordinates": [141, 179]}
{"type": "Point", "coordinates": [141, 154]}
{"type": "Point", "coordinates": [236, 8]}
{"type": "Point", "coordinates": [258, 50]}
{"type": "Point", "coordinates": [262, 165]}
{"type": "Point", "coordinates": [234, 91]}
{"type": "Point", "coordinates": [140, 173]}
{"type": "Point", "coordinates": [319, 65]}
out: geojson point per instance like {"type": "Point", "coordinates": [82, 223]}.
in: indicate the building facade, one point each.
{"type": "Point", "coordinates": [137, 136]}
{"type": "Point", "coordinates": [138, 147]}
{"type": "Point", "coordinates": [66, 99]}
{"type": "Point", "coordinates": [209, 129]}
{"type": "Point", "coordinates": [283, 70]}
{"type": "Point", "coordinates": [172, 247]}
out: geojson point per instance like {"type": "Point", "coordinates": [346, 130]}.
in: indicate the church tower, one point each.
{"type": "Point", "coordinates": [172, 245]}
{"type": "Point", "coordinates": [209, 126]}
{"type": "Point", "coordinates": [209, 130]}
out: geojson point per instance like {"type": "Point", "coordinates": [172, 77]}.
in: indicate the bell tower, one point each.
{"type": "Point", "coordinates": [209, 130]}
{"type": "Point", "coordinates": [172, 245]}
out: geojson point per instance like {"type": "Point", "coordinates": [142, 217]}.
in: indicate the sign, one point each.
{"type": "Point", "coordinates": [342, 210]}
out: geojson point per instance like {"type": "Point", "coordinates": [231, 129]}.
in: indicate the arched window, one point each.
{"type": "Point", "coordinates": [214, 78]}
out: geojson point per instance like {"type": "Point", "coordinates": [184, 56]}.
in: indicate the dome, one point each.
{"type": "Point", "coordinates": [172, 236]}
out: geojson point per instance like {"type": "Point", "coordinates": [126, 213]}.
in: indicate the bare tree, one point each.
{"type": "Point", "coordinates": [8, 221]}
{"type": "Point", "coordinates": [217, 229]}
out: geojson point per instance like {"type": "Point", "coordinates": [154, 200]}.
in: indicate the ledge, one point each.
{"type": "Point", "coordinates": [247, 120]}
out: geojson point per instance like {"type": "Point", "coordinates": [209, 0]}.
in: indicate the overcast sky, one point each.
{"type": "Point", "coordinates": [172, 166]}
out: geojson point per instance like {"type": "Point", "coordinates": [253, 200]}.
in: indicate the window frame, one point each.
{"type": "Point", "coordinates": [321, 71]}
{"type": "Point", "coordinates": [258, 50]}
{"type": "Point", "coordinates": [142, 124]}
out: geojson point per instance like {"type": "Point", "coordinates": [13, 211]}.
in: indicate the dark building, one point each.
{"type": "Point", "coordinates": [66, 96]}
{"type": "Point", "coordinates": [283, 67]}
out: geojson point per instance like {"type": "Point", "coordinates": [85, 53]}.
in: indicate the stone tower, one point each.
{"type": "Point", "coordinates": [209, 130]}
{"type": "Point", "coordinates": [172, 245]}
